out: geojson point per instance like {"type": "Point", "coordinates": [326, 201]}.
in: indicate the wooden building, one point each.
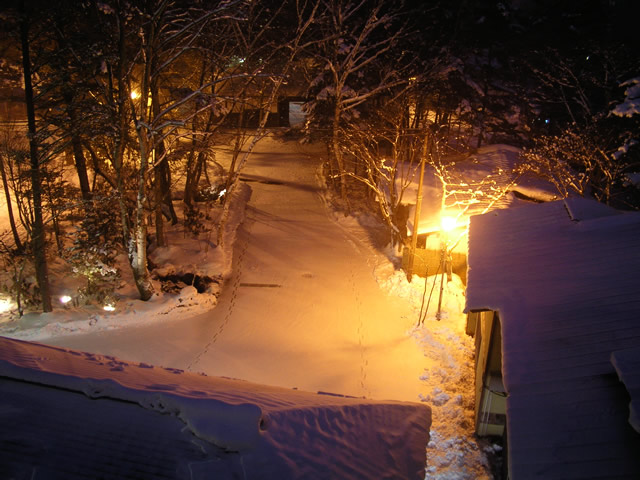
{"type": "Point", "coordinates": [553, 298]}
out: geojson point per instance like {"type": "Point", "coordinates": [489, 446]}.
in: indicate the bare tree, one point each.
{"type": "Point", "coordinates": [7, 149]}
{"type": "Point", "coordinates": [276, 58]}
{"type": "Point", "coordinates": [577, 161]}
{"type": "Point", "coordinates": [149, 109]}
{"type": "Point", "coordinates": [38, 233]}
{"type": "Point", "coordinates": [150, 47]}
{"type": "Point", "coordinates": [390, 146]}
{"type": "Point", "coordinates": [356, 38]}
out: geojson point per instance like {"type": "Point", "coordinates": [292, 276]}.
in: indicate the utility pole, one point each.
{"type": "Point", "coordinates": [416, 217]}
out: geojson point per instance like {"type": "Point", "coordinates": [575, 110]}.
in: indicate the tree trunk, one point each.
{"type": "Point", "coordinates": [76, 144]}
{"type": "Point", "coordinates": [81, 167]}
{"type": "Point", "coordinates": [134, 237]}
{"type": "Point", "coordinates": [121, 98]}
{"type": "Point", "coordinates": [195, 162]}
{"type": "Point", "coordinates": [138, 243]}
{"type": "Point", "coordinates": [38, 240]}
{"type": "Point", "coordinates": [193, 178]}
{"type": "Point", "coordinates": [167, 198]}
{"type": "Point", "coordinates": [138, 247]}
{"type": "Point", "coordinates": [160, 240]}
{"type": "Point", "coordinates": [53, 208]}
{"type": "Point", "coordinates": [337, 153]}
{"type": "Point", "coordinates": [162, 175]}
{"type": "Point", "coordinates": [12, 222]}
{"type": "Point", "coordinates": [188, 193]}
{"type": "Point", "coordinates": [237, 147]}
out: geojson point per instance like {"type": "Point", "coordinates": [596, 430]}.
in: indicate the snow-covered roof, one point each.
{"type": "Point", "coordinates": [68, 414]}
{"type": "Point", "coordinates": [479, 179]}
{"type": "Point", "coordinates": [564, 278]}
{"type": "Point", "coordinates": [627, 364]}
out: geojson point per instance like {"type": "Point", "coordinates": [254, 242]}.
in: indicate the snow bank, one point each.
{"type": "Point", "coordinates": [448, 378]}
{"type": "Point", "coordinates": [185, 255]}
{"type": "Point", "coordinates": [278, 433]}
{"type": "Point", "coordinates": [631, 104]}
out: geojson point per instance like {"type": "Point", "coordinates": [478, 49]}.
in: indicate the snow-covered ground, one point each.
{"type": "Point", "coordinates": [309, 300]}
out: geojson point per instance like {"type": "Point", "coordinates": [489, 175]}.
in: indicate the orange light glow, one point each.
{"type": "Point", "coordinates": [448, 223]}
{"type": "Point", "coordinates": [6, 305]}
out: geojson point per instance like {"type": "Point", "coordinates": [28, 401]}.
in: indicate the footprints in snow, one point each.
{"type": "Point", "coordinates": [232, 304]}
{"type": "Point", "coordinates": [364, 362]}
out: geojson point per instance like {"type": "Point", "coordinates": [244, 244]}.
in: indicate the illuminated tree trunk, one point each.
{"type": "Point", "coordinates": [81, 168]}
{"type": "Point", "coordinates": [137, 248]}
{"type": "Point", "coordinates": [76, 144]}
{"type": "Point", "coordinates": [134, 230]}
{"type": "Point", "coordinates": [12, 222]}
{"type": "Point", "coordinates": [337, 154]}
{"type": "Point", "coordinates": [138, 244]}
{"type": "Point", "coordinates": [162, 184]}
{"type": "Point", "coordinates": [194, 172]}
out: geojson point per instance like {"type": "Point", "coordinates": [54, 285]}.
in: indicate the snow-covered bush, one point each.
{"type": "Point", "coordinates": [93, 252]}
{"type": "Point", "coordinates": [195, 220]}
{"type": "Point", "coordinates": [17, 279]}
{"type": "Point", "coordinates": [18, 285]}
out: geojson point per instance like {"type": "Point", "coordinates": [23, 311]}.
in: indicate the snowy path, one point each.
{"type": "Point", "coordinates": [302, 308]}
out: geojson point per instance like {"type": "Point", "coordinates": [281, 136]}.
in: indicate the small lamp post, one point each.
{"type": "Point", "coordinates": [447, 225]}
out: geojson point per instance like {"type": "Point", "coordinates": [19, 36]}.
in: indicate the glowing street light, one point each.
{"type": "Point", "coordinates": [109, 308]}
{"type": "Point", "coordinates": [448, 223]}
{"type": "Point", "coordinates": [65, 299]}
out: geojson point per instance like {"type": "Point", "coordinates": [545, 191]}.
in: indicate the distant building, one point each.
{"type": "Point", "coordinates": [553, 299]}
{"type": "Point", "coordinates": [12, 107]}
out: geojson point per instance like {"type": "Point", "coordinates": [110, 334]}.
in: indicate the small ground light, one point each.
{"type": "Point", "coordinates": [109, 308]}
{"type": "Point", "coordinates": [5, 305]}
{"type": "Point", "coordinates": [65, 299]}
